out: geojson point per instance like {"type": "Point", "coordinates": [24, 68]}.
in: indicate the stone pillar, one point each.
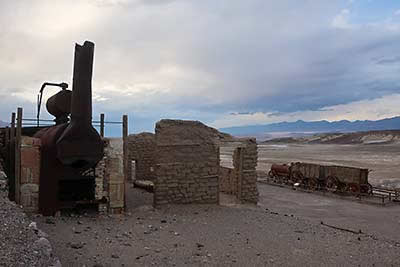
{"type": "Point", "coordinates": [30, 174]}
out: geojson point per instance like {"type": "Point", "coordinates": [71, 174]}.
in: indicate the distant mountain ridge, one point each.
{"type": "Point", "coordinates": [3, 123]}
{"type": "Point", "coordinates": [366, 138]}
{"type": "Point", "coordinates": [317, 126]}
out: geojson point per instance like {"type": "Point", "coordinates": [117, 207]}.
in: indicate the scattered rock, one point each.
{"type": "Point", "coordinates": [40, 233]}
{"type": "Point", "coordinates": [44, 245]}
{"type": "Point", "coordinates": [33, 226]}
{"type": "Point", "coordinates": [199, 245]}
{"type": "Point", "coordinates": [50, 220]}
{"type": "Point", "coordinates": [76, 245]}
{"type": "Point", "coordinates": [114, 256]}
{"type": "Point", "coordinates": [76, 231]}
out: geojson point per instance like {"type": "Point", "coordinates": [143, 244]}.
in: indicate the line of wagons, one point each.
{"type": "Point", "coordinates": [319, 177]}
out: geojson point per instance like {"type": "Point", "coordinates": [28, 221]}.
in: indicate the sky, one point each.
{"type": "Point", "coordinates": [225, 63]}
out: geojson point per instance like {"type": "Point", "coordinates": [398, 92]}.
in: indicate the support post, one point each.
{"type": "Point", "coordinates": [125, 152]}
{"type": "Point", "coordinates": [102, 125]}
{"type": "Point", "coordinates": [11, 161]}
{"type": "Point", "coordinates": [125, 144]}
{"type": "Point", "coordinates": [7, 150]}
{"type": "Point", "coordinates": [240, 172]}
{"type": "Point", "coordinates": [18, 156]}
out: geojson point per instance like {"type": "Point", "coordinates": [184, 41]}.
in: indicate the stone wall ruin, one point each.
{"type": "Point", "coordinates": [240, 180]}
{"type": "Point", "coordinates": [110, 180]}
{"type": "Point", "coordinates": [142, 154]}
{"type": "Point", "coordinates": [187, 163]}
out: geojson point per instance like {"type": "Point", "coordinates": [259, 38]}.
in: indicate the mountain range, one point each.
{"type": "Point", "coordinates": [3, 123]}
{"type": "Point", "coordinates": [316, 127]}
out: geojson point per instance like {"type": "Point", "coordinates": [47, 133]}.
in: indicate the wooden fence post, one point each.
{"type": "Point", "coordinates": [102, 124]}
{"type": "Point", "coordinates": [18, 156]}
{"type": "Point", "coordinates": [125, 144]}
{"type": "Point", "coordinates": [125, 152]}
{"type": "Point", "coordinates": [11, 161]}
{"type": "Point", "coordinates": [240, 172]}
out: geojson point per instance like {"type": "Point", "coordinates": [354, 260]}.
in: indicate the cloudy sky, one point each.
{"type": "Point", "coordinates": [224, 62]}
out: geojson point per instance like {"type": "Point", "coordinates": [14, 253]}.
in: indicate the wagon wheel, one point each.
{"type": "Point", "coordinates": [366, 188]}
{"type": "Point", "coordinates": [342, 187]}
{"type": "Point", "coordinates": [278, 179]}
{"type": "Point", "coordinates": [271, 174]}
{"type": "Point", "coordinates": [312, 184]}
{"type": "Point", "coordinates": [331, 184]}
{"type": "Point", "coordinates": [296, 177]}
{"type": "Point", "coordinates": [353, 188]}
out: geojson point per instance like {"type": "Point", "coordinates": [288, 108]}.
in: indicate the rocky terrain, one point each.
{"type": "Point", "coordinates": [210, 235]}
{"type": "Point", "coordinates": [21, 242]}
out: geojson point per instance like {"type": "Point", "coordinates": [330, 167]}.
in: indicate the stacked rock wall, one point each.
{"type": "Point", "coordinates": [110, 183]}
{"type": "Point", "coordinates": [187, 163]}
{"type": "Point", "coordinates": [245, 162]}
{"type": "Point", "coordinates": [142, 150]}
{"type": "Point", "coordinates": [241, 180]}
{"type": "Point", "coordinates": [228, 180]}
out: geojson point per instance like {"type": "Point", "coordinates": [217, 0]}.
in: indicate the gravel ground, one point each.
{"type": "Point", "coordinates": [21, 242]}
{"type": "Point", "coordinates": [209, 235]}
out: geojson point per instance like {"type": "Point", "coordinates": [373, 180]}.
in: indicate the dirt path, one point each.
{"type": "Point", "coordinates": [210, 235]}
{"type": "Point", "coordinates": [377, 220]}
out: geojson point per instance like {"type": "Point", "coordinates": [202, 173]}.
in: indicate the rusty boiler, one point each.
{"type": "Point", "coordinates": [70, 150]}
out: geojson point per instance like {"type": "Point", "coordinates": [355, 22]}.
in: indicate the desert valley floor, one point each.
{"type": "Point", "coordinates": [287, 227]}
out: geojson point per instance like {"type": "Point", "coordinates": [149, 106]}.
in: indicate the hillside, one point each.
{"type": "Point", "coordinates": [365, 137]}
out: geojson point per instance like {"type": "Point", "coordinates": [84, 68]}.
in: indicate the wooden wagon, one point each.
{"type": "Point", "coordinates": [315, 176]}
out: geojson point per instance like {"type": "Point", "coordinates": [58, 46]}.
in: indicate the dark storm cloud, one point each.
{"type": "Point", "coordinates": [200, 59]}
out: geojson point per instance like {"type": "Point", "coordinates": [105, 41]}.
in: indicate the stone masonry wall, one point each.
{"type": "Point", "coordinates": [228, 180]}
{"type": "Point", "coordinates": [187, 163]}
{"type": "Point", "coordinates": [30, 174]}
{"type": "Point", "coordinates": [142, 149]}
{"type": "Point", "coordinates": [110, 184]}
{"type": "Point", "coordinates": [245, 162]}
{"type": "Point", "coordinates": [241, 180]}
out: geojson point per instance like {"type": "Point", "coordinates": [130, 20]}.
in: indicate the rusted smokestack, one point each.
{"type": "Point", "coordinates": [80, 145]}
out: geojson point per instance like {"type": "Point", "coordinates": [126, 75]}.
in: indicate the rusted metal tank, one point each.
{"type": "Point", "coordinates": [68, 149]}
{"type": "Point", "coordinates": [59, 105]}
{"type": "Point", "coordinates": [280, 170]}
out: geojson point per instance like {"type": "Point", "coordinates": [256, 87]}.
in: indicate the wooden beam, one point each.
{"type": "Point", "coordinates": [18, 156]}
{"type": "Point", "coordinates": [102, 124]}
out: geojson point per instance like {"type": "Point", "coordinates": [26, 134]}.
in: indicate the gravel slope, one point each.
{"type": "Point", "coordinates": [21, 243]}
{"type": "Point", "coordinates": [206, 235]}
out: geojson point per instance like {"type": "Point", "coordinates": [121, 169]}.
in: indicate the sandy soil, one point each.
{"type": "Point", "coordinates": [211, 235]}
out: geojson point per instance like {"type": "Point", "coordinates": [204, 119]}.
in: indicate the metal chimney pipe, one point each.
{"type": "Point", "coordinates": [80, 145]}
